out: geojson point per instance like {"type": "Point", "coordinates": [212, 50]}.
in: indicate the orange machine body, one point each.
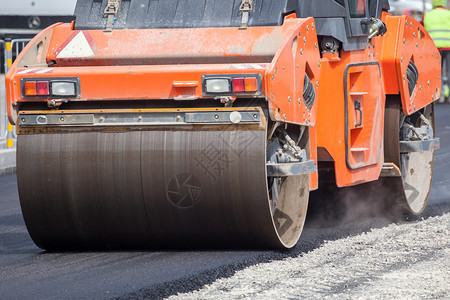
{"type": "Point", "coordinates": [345, 122]}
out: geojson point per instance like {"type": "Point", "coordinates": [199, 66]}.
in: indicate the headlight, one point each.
{"type": "Point", "coordinates": [218, 86]}
{"type": "Point", "coordinates": [63, 89]}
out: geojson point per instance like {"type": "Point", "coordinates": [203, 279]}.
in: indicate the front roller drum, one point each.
{"type": "Point", "coordinates": [407, 191]}
{"type": "Point", "coordinates": [201, 186]}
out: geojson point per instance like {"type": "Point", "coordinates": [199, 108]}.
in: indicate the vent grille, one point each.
{"type": "Point", "coordinates": [309, 94]}
{"type": "Point", "coordinates": [413, 76]}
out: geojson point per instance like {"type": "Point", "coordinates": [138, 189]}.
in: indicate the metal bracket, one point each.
{"type": "Point", "coordinates": [246, 7]}
{"type": "Point", "coordinates": [291, 169]}
{"type": "Point", "coordinates": [420, 146]}
{"type": "Point", "coordinates": [111, 11]}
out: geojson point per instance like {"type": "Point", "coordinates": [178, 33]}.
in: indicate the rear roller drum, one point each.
{"type": "Point", "coordinates": [190, 187]}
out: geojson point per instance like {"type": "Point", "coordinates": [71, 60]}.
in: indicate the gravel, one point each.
{"type": "Point", "coordinates": [407, 260]}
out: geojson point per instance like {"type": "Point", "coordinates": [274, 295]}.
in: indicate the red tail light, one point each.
{"type": "Point", "coordinates": [43, 88]}
{"type": "Point", "coordinates": [238, 85]}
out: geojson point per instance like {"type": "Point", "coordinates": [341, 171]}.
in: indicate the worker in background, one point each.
{"type": "Point", "coordinates": [437, 23]}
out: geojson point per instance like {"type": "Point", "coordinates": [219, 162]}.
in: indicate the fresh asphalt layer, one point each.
{"type": "Point", "coordinates": [28, 272]}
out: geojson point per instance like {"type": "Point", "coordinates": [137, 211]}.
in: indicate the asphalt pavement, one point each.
{"type": "Point", "coordinates": [28, 272]}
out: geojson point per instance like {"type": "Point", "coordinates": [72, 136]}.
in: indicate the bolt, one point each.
{"type": "Point", "coordinates": [404, 41]}
{"type": "Point", "coordinates": [307, 27]}
{"type": "Point", "coordinates": [401, 59]}
{"type": "Point", "coordinates": [216, 117]}
{"type": "Point", "coordinates": [404, 77]}
{"type": "Point", "coordinates": [320, 64]}
{"type": "Point", "coordinates": [284, 117]}
{"type": "Point", "coordinates": [255, 116]}
{"type": "Point", "coordinates": [317, 84]}
{"type": "Point", "coordinates": [139, 118]}
{"type": "Point", "coordinates": [101, 119]}
{"type": "Point", "coordinates": [304, 39]}
{"type": "Point", "coordinates": [299, 100]}
{"type": "Point", "coordinates": [313, 25]}
{"type": "Point", "coordinates": [23, 120]}
{"type": "Point", "coordinates": [301, 51]}
{"type": "Point", "coordinates": [289, 98]}
{"type": "Point", "coordinates": [315, 44]}
{"type": "Point", "coordinates": [273, 77]}
{"type": "Point", "coordinates": [429, 82]}
{"type": "Point", "coordinates": [417, 44]}
{"type": "Point", "coordinates": [178, 118]}
{"type": "Point", "coordinates": [62, 119]}
{"type": "Point", "coordinates": [420, 87]}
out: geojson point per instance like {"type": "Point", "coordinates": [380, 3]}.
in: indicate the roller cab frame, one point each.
{"type": "Point", "coordinates": [181, 133]}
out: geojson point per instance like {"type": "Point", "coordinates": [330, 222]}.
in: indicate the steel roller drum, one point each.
{"type": "Point", "coordinates": [409, 192]}
{"type": "Point", "coordinates": [201, 186]}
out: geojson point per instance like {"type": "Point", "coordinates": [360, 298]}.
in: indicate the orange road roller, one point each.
{"type": "Point", "coordinates": [206, 123]}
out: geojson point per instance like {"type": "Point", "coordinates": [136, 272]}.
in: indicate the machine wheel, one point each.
{"type": "Point", "coordinates": [408, 193]}
{"type": "Point", "coordinates": [154, 188]}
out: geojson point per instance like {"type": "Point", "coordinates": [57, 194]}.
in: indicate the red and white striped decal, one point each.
{"type": "Point", "coordinates": [35, 71]}
{"type": "Point", "coordinates": [248, 66]}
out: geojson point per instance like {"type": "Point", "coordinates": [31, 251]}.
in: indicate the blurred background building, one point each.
{"type": "Point", "coordinates": [413, 8]}
{"type": "Point", "coordinates": [25, 18]}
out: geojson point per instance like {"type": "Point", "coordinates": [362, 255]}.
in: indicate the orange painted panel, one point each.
{"type": "Point", "coordinates": [405, 41]}
{"type": "Point", "coordinates": [356, 76]}
{"type": "Point", "coordinates": [165, 46]}
{"type": "Point", "coordinates": [299, 54]}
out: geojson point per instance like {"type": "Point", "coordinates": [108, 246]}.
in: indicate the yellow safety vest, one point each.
{"type": "Point", "coordinates": [437, 23]}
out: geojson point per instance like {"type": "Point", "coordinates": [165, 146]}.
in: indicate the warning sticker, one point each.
{"type": "Point", "coordinates": [79, 45]}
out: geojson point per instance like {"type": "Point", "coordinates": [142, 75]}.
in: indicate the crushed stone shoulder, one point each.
{"type": "Point", "coordinates": [401, 261]}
